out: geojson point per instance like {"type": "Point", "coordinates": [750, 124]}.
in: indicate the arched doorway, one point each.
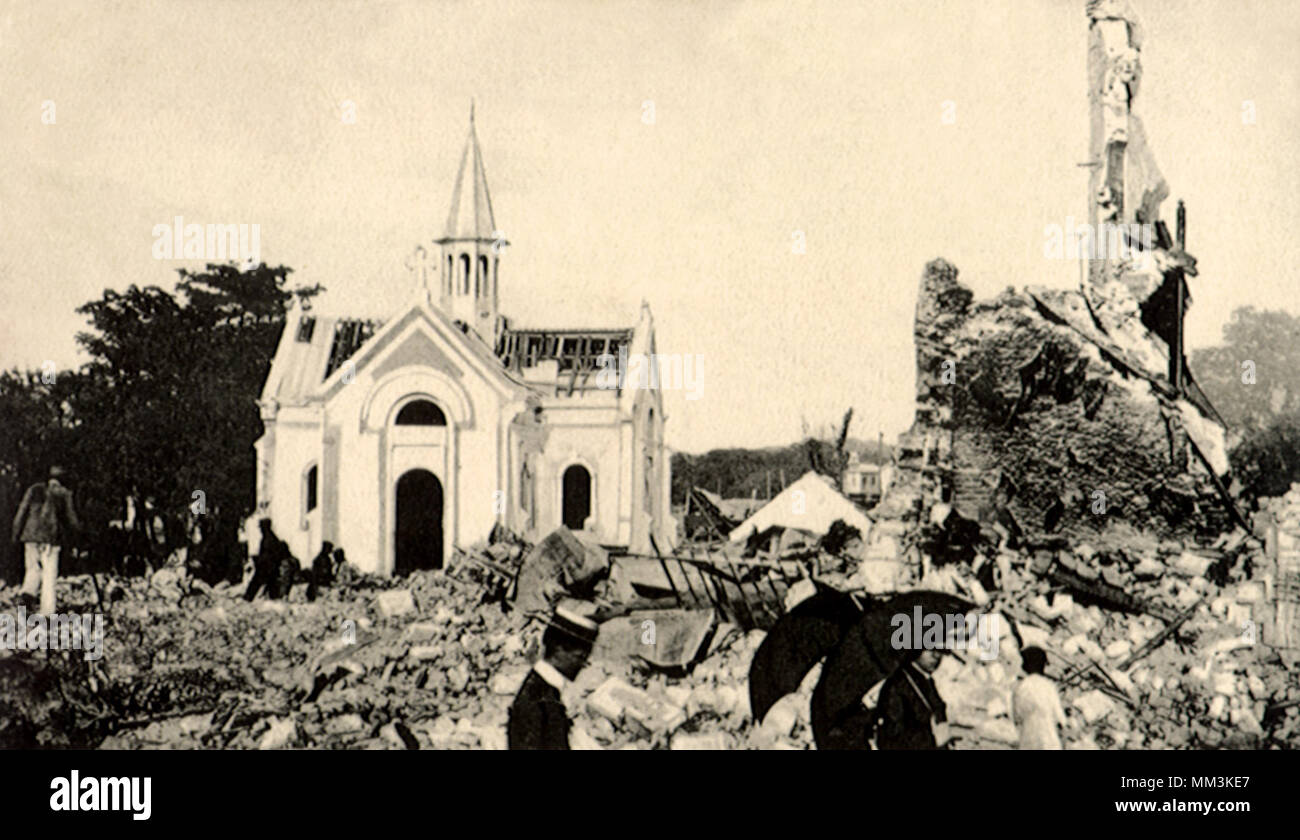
{"type": "Point", "coordinates": [417, 542]}
{"type": "Point", "coordinates": [577, 497]}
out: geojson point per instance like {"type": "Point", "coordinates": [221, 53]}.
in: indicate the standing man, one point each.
{"type": "Point", "coordinates": [46, 520]}
{"type": "Point", "coordinates": [322, 570]}
{"type": "Point", "coordinates": [270, 564]}
{"type": "Point", "coordinates": [1037, 705]}
{"type": "Point", "coordinates": [538, 720]}
{"type": "Point", "coordinates": [913, 715]}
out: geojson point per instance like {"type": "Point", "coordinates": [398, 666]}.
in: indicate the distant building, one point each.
{"type": "Point", "coordinates": [864, 482]}
{"type": "Point", "coordinates": [399, 440]}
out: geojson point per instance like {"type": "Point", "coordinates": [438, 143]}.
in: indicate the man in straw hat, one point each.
{"type": "Point", "coordinates": [538, 720]}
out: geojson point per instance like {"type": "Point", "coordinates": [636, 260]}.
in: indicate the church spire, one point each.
{"type": "Point", "coordinates": [470, 217]}
{"type": "Point", "coordinates": [470, 246]}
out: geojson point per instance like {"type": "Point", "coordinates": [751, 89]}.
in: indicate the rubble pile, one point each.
{"type": "Point", "coordinates": [1155, 643]}
{"type": "Point", "coordinates": [1212, 683]}
{"type": "Point", "coordinates": [1027, 392]}
{"type": "Point", "coordinates": [429, 661]}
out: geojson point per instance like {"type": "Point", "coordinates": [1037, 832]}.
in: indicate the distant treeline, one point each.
{"type": "Point", "coordinates": [743, 473]}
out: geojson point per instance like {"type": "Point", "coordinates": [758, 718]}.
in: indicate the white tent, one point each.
{"type": "Point", "coordinates": [810, 504]}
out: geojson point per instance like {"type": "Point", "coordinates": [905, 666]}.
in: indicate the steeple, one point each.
{"type": "Point", "coordinates": [470, 217]}
{"type": "Point", "coordinates": [470, 255]}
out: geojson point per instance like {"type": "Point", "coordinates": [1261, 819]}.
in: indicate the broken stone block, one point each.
{"type": "Point", "coordinates": [1245, 720]}
{"type": "Point", "coordinates": [395, 603]}
{"type": "Point", "coordinates": [564, 563]}
{"type": "Point", "coordinates": [458, 678]}
{"type": "Point", "coordinates": [712, 741]}
{"type": "Point", "coordinates": [440, 731]}
{"type": "Point", "coordinates": [492, 739]}
{"type": "Point", "coordinates": [1148, 568]}
{"type": "Point", "coordinates": [214, 615]}
{"type": "Point", "coordinates": [1033, 636]}
{"type": "Point", "coordinates": [1062, 605]}
{"type": "Point", "coordinates": [666, 638]}
{"type": "Point", "coordinates": [344, 724]}
{"type": "Point", "coordinates": [1094, 705]}
{"type": "Point", "coordinates": [421, 631]}
{"type": "Point", "coordinates": [1192, 565]}
{"type": "Point", "coordinates": [425, 653]}
{"type": "Point", "coordinates": [678, 695]}
{"type": "Point", "coordinates": [282, 733]}
{"type": "Point", "coordinates": [1251, 592]}
{"type": "Point", "coordinates": [616, 700]}
{"type": "Point", "coordinates": [1119, 649]}
{"type": "Point", "coordinates": [507, 683]}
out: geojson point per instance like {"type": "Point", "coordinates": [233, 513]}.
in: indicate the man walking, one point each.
{"type": "Point", "coordinates": [538, 719]}
{"type": "Point", "coordinates": [46, 520]}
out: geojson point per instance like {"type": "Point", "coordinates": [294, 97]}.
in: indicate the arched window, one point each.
{"type": "Point", "coordinates": [464, 274]}
{"type": "Point", "coordinates": [483, 290]}
{"type": "Point", "coordinates": [496, 277]}
{"type": "Point", "coordinates": [420, 413]}
{"type": "Point", "coordinates": [575, 497]}
{"type": "Point", "coordinates": [451, 268]}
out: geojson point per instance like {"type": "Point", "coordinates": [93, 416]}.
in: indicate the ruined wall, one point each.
{"type": "Point", "coordinates": [1009, 388]}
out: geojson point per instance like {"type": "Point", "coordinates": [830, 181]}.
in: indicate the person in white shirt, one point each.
{"type": "Point", "coordinates": [1036, 704]}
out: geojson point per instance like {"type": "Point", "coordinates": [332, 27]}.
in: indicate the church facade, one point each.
{"type": "Point", "coordinates": [399, 440]}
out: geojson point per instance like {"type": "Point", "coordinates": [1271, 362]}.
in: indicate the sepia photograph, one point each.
{"type": "Point", "coordinates": [893, 375]}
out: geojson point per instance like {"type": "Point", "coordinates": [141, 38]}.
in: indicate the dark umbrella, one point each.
{"type": "Point", "coordinates": [796, 643]}
{"type": "Point", "coordinates": [864, 657]}
{"type": "Point", "coordinates": [852, 631]}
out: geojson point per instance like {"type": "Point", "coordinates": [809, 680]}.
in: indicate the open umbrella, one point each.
{"type": "Point", "coordinates": [864, 657]}
{"type": "Point", "coordinates": [852, 632]}
{"type": "Point", "coordinates": [797, 642]}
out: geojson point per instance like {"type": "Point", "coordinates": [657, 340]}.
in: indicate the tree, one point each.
{"type": "Point", "coordinates": [168, 400]}
{"type": "Point", "coordinates": [1253, 379]}
{"type": "Point", "coordinates": [1254, 375]}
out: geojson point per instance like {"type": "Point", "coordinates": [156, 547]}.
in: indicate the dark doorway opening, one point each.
{"type": "Point", "coordinates": [577, 497]}
{"type": "Point", "coordinates": [418, 542]}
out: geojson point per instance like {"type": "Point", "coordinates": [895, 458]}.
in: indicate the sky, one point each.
{"type": "Point", "coordinates": [669, 152]}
